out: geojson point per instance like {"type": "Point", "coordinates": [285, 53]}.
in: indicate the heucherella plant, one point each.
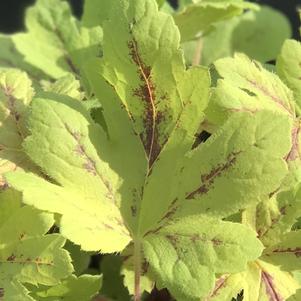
{"type": "Point", "coordinates": [254, 89]}
{"type": "Point", "coordinates": [99, 146]}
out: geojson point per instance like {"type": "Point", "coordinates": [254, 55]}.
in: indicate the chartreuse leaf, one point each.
{"type": "Point", "coordinates": [27, 255]}
{"type": "Point", "coordinates": [247, 86]}
{"type": "Point", "coordinates": [15, 96]}
{"type": "Point", "coordinates": [275, 217]}
{"type": "Point", "coordinates": [231, 172]}
{"type": "Point", "coordinates": [159, 108]}
{"type": "Point", "coordinates": [55, 42]}
{"type": "Point", "coordinates": [125, 185]}
{"type": "Point", "coordinates": [66, 85]}
{"type": "Point", "coordinates": [214, 246]}
{"type": "Point", "coordinates": [261, 281]}
{"type": "Point", "coordinates": [261, 33]}
{"type": "Point", "coordinates": [288, 68]}
{"type": "Point", "coordinates": [258, 34]}
{"type": "Point", "coordinates": [273, 220]}
{"type": "Point", "coordinates": [287, 252]}
{"type": "Point", "coordinates": [10, 58]}
{"type": "Point", "coordinates": [200, 16]}
{"type": "Point", "coordinates": [13, 291]}
{"type": "Point", "coordinates": [82, 288]}
{"type": "Point", "coordinates": [96, 12]}
{"type": "Point", "coordinates": [86, 190]}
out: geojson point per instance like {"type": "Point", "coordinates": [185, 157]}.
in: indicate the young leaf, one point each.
{"type": "Point", "coordinates": [27, 255]}
{"type": "Point", "coordinates": [288, 68]}
{"type": "Point", "coordinates": [55, 43]}
{"type": "Point", "coordinates": [200, 16]}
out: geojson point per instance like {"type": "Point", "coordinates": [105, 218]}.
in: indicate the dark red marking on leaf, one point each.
{"type": "Point", "coordinates": [273, 97]}
{"type": "Point", "coordinates": [90, 164]}
{"type": "Point", "coordinates": [172, 209]}
{"type": "Point", "coordinates": [295, 251]}
{"type": "Point", "coordinates": [66, 56]}
{"type": "Point", "coordinates": [4, 186]}
{"type": "Point", "coordinates": [271, 291]}
{"type": "Point", "coordinates": [216, 241]}
{"type": "Point", "coordinates": [108, 226]}
{"type": "Point", "coordinates": [294, 152]}
{"type": "Point", "coordinates": [207, 180]}
{"type": "Point", "coordinates": [147, 93]}
{"type": "Point", "coordinates": [11, 258]}
{"type": "Point", "coordinates": [22, 235]}
{"type": "Point", "coordinates": [134, 210]}
{"type": "Point", "coordinates": [219, 284]}
{"type": "Point", "coordinates": [144, 267]}
{"type": "Point", "coordinates": [274, 221]}
{"type": "Point", "coordinates": [172, 239]}
{"type": "Point", "coordinates": [11, 103]}
{"type": "Point", "coordinates": [39, 261]}
{"type": "Point", "coordinates": [195, 237]}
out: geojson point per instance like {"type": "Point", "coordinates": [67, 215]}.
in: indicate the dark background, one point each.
{"type": "Point", "coordinates": [12, 12]}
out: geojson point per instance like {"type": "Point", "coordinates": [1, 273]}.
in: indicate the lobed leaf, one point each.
{"type": "Point", "coordinates": [16, 94]}
{"type": "Point", "coordinates": [237, 162]}
{"type": "Point", "coordinates": [54, 42]}
{"type": "Point", "coordinates": [27, 255]}
{"type": "Point", "coordinates": [85, 188]}
{"type": "Point", "coordinates": [82, 288]}
{"type": "Point", "coordinates": [187, 253]}
{"type": "Point", "coordinates": [247, 86]}
{"type": "Point", "coordinates": [200, 16]}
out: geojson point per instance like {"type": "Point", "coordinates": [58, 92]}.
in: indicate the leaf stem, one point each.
{"type": "Point", "coordinates": [198, 52]}
{"type": "Point", "coordinates": [137, 269]}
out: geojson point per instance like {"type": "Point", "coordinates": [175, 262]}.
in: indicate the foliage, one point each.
{"type": "Point", "coordinates": [100, 119]}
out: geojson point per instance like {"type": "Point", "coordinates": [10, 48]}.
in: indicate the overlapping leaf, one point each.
{"type": "Point", "coordinates": [55, 42]}
{"type": "Point", "coordinates": [259, 34]}
{"type": "Point", "coordinates": [260, 281]}
{"type": "Point", "coordinates": [255, 89]}
{"type": "Point", "coordinates": [27, 255]}
{"type": "Point", "coordinates": [15, 96]}
{"type": "Point", "coordinates": [140, 181]}
{"type": "Point", "coordinates": [247, 86]}
{"type": "Point", "coordinates": [198, 17]}
{"type": "Point", "coordinates": [86, 190]}
{"type": "Point", "coordinates": [82, 288]}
